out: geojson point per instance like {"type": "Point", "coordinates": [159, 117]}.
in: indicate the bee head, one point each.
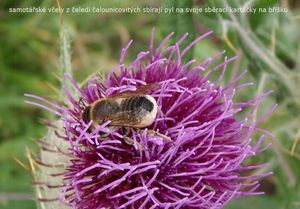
{"type": "Point", "coordinates": [86, 115]}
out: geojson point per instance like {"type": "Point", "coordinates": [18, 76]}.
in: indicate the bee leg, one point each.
{"type": "Point", "coordinates": [156, 133]}
{"type": "Point", "coordinates": [126, 130]}
{"type": "Point", "coordinates": [209, 188]}
{"type": "Point", "coordinates": [103, 136]}
{"type": "Point", "coordinates": [130, 141]}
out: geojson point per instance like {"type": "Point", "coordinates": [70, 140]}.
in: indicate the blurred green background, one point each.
{"type": "Point", "coordinates": [268, 45]}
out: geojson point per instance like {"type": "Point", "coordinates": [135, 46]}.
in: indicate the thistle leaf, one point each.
{"type": "Point", "coordinates": [179, 22]}
{"type": "Point", "coordinates": [49, 168]}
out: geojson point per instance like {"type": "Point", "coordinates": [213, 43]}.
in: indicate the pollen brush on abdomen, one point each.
{"type": "Point", "coordinates": [131, 111]}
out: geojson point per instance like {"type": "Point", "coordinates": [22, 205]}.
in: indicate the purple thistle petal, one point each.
{"type": "Point", "coordinates": [196, 158]}
{"type": "Point", "coordinates": [194, 42]}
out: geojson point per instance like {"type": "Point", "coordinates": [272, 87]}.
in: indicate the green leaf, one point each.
{"type": "Point", "coordinates": [254, 202]}
{"type": "Point", "coordinates": [179, 22]}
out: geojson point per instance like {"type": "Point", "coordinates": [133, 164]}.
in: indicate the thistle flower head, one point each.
{"type": "Point", "coordinates": [190, 157]}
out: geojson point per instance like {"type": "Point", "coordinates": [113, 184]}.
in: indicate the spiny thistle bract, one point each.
{"type": "Point", "coordinates": [201, 166]}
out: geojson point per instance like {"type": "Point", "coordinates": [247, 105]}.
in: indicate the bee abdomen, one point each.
{"type": "Point", "coordinates": [140, 103]}
{"type": "Point", "coordinates": [147, 105]}
{"type": "Point", "coordinates": [102, 110]}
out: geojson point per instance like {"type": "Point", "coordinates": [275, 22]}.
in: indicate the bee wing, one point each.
{"type": "Point", "coordinates": [147, 89]}
{"type": "Point", "coordinates": [141, 90]}
{"type": "Point", "coordinates": [125, 118]}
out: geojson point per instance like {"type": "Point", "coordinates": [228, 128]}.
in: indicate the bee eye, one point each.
{"type": "Point", "coordinates": [86, 115]}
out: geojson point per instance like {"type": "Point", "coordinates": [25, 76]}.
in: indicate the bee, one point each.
{"type": "Point", "coordinates": [128, 110]}
{"type": "Point", "coordinates": [136, 111]}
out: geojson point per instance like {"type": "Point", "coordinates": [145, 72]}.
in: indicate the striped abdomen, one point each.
{"type": "Point", "coordinates": [134, 111]}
